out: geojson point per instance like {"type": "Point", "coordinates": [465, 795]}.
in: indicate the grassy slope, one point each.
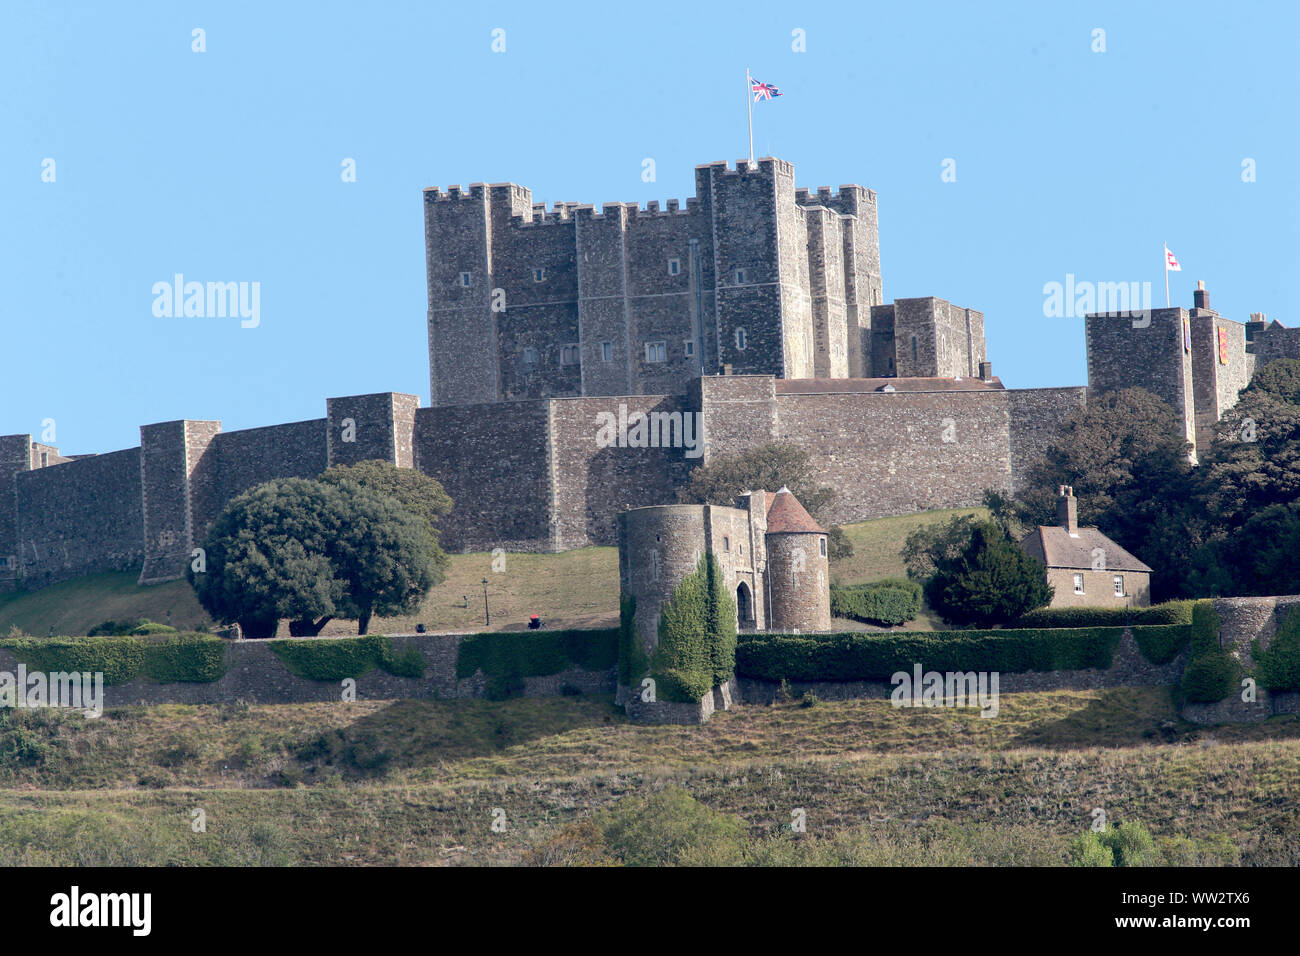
{"type": "Point", "coordinates": [415, 782]}
{"type": "Point", "coordinates": [572, 589]}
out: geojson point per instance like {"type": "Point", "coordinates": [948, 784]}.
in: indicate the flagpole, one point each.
{"type": "Point", "coordinates": [749, 102]}
{"type": "Point", "coordinates": [1166, 245]}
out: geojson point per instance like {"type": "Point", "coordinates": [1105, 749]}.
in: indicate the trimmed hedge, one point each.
{"type": "Point", "coordinates": [536, 653]}
{"type": "Point", "coordinates": [889, 602]}
{"type": "Point", "coordinates": [1278, 668]}
{"type": "Point", "coordinates": [334, 659]}
{"type": "Point", "coordinates": [1212, 673]}
{"type": "Point", "coordinates": [188, 658]}
{"type": "Point", "coordinates": [872, 657]}
{"type": "Point", "coordinates": [1171, 612]}
{"type": "Point", "coordinates": [1161, 643]}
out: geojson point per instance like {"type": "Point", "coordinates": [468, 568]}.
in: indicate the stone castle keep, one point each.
{"type": "Point", "coordinates": [756, 307]}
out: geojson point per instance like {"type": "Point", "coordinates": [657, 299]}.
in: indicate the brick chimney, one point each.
{"type": "Point", "coordinates": [1201, 298]}
{"type": "Point", "coordinates": [1067, 510]}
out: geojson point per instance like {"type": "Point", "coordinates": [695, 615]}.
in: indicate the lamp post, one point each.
{"type": "Point", "coordinates": [487, 614]}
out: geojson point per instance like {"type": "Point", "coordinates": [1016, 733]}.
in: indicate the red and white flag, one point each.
{"type": "Point", "coordinates": [1171, 262]}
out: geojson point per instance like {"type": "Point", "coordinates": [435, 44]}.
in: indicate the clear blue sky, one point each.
{"type": "Point", "coordinates": [225, 165]}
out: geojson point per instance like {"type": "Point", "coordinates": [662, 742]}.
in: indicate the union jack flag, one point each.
{"type": "Point", "coordinates": [763, 91]}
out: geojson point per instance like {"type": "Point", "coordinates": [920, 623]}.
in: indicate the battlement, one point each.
{"type": "Point", "coordinates": [825, 195]}
{"type": "Point", "coordinates": [476, 191]}
{"type": "Point", "coordinates": [767, 166]}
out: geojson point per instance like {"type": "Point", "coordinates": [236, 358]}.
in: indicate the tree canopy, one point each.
{"type": "Point", "coordinates": [310, 551]}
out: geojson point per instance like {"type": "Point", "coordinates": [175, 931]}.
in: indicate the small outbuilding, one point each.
{"type": "Point", "coordinates": [1086, 568]}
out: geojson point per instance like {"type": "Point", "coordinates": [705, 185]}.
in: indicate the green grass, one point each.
{"type": "Point", "coordinates": [573, 589]}
{"type": "Point", "coordinates": [416, 782]}
{"type": "Point", "coordinates": [73, 607]}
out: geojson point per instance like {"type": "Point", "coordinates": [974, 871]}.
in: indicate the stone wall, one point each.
{"type": "Point", "coordinates": [79, 517]}
{"type": "Point", "coordinates": [254, 674]}
{"type": "Point", "coordinates": [1156, 357]}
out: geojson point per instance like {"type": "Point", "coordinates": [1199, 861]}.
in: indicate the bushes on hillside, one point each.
{"type": "Point", "coordinates": [889, 602]}
{"type": "Point", "coordinates": [1131, 844]}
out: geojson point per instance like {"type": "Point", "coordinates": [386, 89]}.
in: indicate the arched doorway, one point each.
{"type": "Point", "coordinates": [744, 606]}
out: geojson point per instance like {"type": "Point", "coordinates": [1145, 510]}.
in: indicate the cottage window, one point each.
{"type": "Point", "coordinates": [1119, 585]}
{"type": "Point", "coordinates": [1078, 584]}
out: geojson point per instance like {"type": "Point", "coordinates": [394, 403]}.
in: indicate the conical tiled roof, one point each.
{"type": "Point", "coordinates": [786, 516]}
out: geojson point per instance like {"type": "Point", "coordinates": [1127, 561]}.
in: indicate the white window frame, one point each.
{"type": "Point", "coordinates": [656, 348]}
{"type": "Point", "coordinates": [1119, 585]}
{"type": "Point", "coordinates": [1078, 583]}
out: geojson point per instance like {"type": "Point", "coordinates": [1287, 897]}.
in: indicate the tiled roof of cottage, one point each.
{"type": "Point", "coordinates": [1059, 549]}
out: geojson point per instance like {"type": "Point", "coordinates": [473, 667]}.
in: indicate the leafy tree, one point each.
{"type": "Point", "coordinates": [266, 556]}
{"type": "Point", "coordinates": [929, 544]}
{"type": "Point", "coordinates": [415, 491]}
{"type": "Point", "coordinates": [386, 557]}
{"type": "Point", "coordinates": [311, 551]}
{"type": "Point", "coordinates": [767, 467]}
{"type": "Point", "coordinates": [1254, 461]}
{"type": "Point", "coordinates": [992, 581]}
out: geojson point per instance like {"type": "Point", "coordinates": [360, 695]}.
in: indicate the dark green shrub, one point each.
{"type": "Point", "coordinates": [119, 659]}
{"type": "Point", "coordinates": [1171, 612]}
{"type": "Point", "coordinates": [632, 662]}
{"type": "Point", "coordinates": [876, 657]}
{"type": "Point", "coordinates": [889, 602]}
{"type": "Point", "coordinates": [1212, 673]}
{"type": "Point", "coordinates": [333, 659]}
{"type": "Point", "coordinates": [504, 686]}
{"type": "Point", "coordinates": [189, 658]}
{"type": "Point", "coordinates": [1278, 668]}
{"type": "Point", "coordinates": [114, 628]}
{"type": "Point", "coordinates": [1161, 643]}
{"type": "Point", "coordinates": [696, 636]}
{"type": "Point", "coordinates": [536, 653]}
